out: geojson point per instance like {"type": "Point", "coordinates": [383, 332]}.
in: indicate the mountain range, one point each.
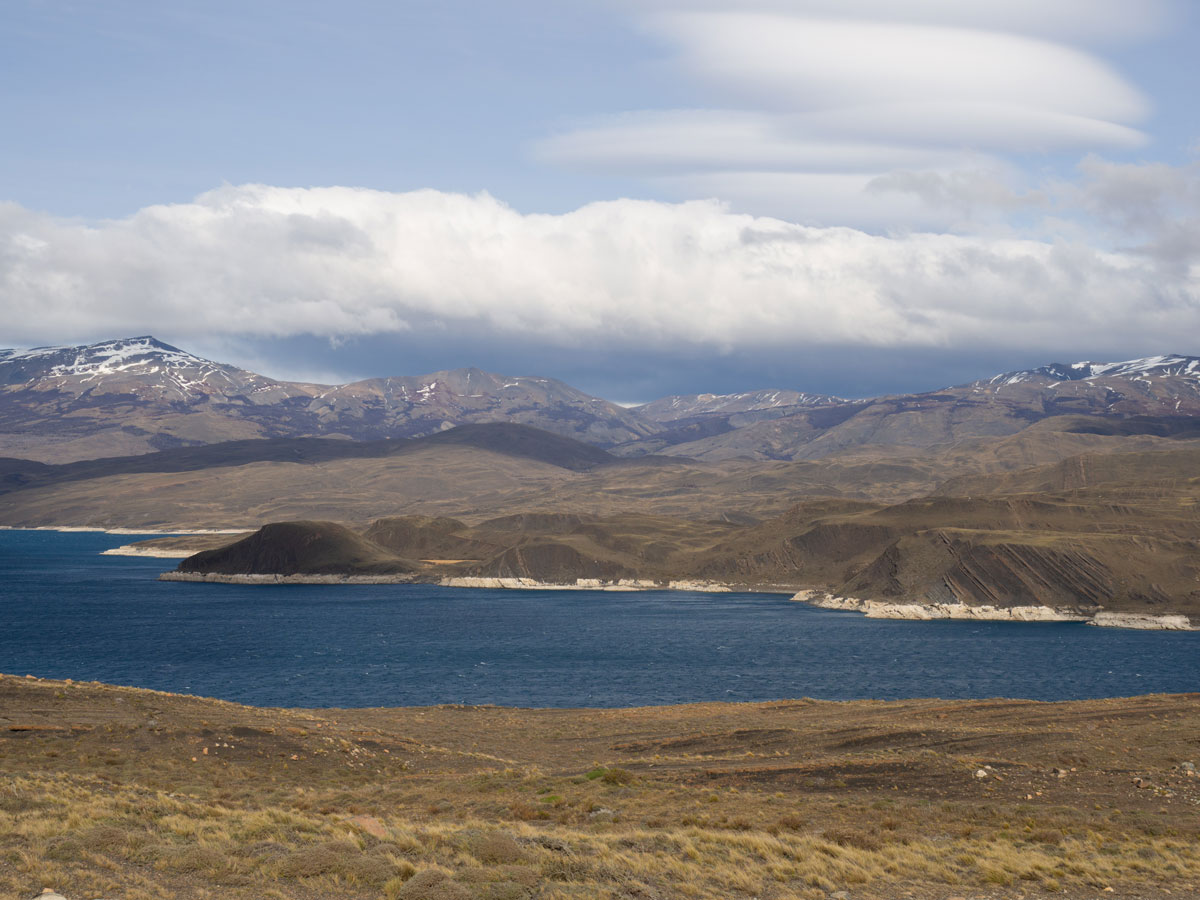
{"type": "Point", "coordinates": [139, 395]}
{"type": "Point", "coordinates": [1068, 486]}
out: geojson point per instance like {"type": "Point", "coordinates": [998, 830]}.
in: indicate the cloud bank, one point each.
{"type": "Point", "coordinates": [337, 262]}
{"type": "Point", "coordinates": [812, 101]}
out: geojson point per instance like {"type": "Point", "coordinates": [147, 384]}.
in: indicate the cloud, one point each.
{"type": "Point", "coordinates": [795, 62]}
{"type": "Point", "coordinates": [1152, 209]}
{"type": "Point", "coordinates": [1153, 205]}
{"type": "Point", "coordinates": [995, 190]}
{"type": "Point", "coordinates": [864, 87]}
{"type": "Point", "coordinates": [670, 141]}
{"type": "Point", "coordinates": [1093, 20]}
{"type": "Point", "coordinates": [625, 275]}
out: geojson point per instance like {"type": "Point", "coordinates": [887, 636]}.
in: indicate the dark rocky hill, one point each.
{"type": "Point", "coordinates": [300, 548]}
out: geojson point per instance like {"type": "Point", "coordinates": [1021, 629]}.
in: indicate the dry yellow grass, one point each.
{"type": "Point", "coordinates": [133, 794]}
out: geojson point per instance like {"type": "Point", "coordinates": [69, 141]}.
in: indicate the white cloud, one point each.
{"type": "Point", "coordinates": [1152, 208]}
{"type": "Point", "coordinates": [865, 87]}
{"type": "Point", "coordinates": [632, 275]}
{"type": "Point", "coordinates": [670, 141]}
{"type": "Point", "coordinates": [814, 198]}
{"type": "Point", "coordinates": [1153, 205]}
{"type": "Point", "coordinates": [794, 62]}
{"type": "Point", "coordinates": [994, 190]}
{"type": "Point", "coordinates": [1107, 20]}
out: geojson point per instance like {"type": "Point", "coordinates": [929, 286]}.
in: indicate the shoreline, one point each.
{"type": "Point", "coordinates": [90, 529]}
{"type": "Point", "coordinates": [871, 609]}
{"type": "Point", "coordinates": [219, 578]}
{"type": "Point", "coordinates": [479, 582]}
{"type": "Point", "coordinates": [928, 612]}
{"type": "Point", "coordinates": [8, 679]}
{"type": "Point", "coordinates": [131, 550]}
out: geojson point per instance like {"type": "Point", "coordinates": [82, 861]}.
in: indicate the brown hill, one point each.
{"type": "Point", "coordinates": [299, 548]}
{"type": "Point", "coordinates": [428, 537]}
{"type": "Point", "coordinates": [554, 561]}
{"type": "Point", "coordinates": [524, 442]}
{"type": "Point", "coordinates": [1165, 469]}
{"type": "Point", "coordinates": [1127, 542]}
{"type": "Point", "coordinates": [248, 483]}
{"type": "Point", "coordinates": [1127, 546]}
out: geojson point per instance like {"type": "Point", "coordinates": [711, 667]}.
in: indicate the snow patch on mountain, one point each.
{"type": "Point", "coordinates": [145, 354]}
{"type": "Point", "coordinates": [1156, 366]}
{"type": "Point", "coordinates": [683, 407]}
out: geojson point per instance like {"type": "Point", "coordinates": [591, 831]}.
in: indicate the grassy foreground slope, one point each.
{"type": "Point", "coordinates": [119, 792]}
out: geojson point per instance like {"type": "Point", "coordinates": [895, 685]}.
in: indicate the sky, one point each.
{"type": "Point", "coordinates": [639, 197]}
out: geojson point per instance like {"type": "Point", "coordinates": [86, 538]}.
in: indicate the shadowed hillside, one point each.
{"type": "Point", "coordinates": [496, 469]}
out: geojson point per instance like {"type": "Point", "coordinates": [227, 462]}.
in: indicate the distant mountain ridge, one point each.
{"type": "Point", "coordinates": [1086, 371]}
{"type": "Point", "coordinates": [1149, 393]}
{"type": "Point", "coordinates": [141, 395]}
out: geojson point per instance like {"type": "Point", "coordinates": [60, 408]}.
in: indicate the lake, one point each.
{"type": "Point", "coordinates": [68, 612]}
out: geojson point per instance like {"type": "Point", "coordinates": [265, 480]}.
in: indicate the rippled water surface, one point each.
{"type": "Point", "coordinates": [67, 612]}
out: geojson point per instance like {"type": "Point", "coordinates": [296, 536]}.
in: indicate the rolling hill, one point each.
{"type": "Point", "coordinates": [1121, 543]}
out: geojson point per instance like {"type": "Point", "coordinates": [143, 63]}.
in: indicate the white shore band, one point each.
{"type": "Point", "coordinates": [882, 609]}
{"type": "Point", "coordinates": [873, 609]}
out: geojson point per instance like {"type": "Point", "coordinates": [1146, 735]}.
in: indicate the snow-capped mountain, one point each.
{"type": "Point", "coordinates": [697, 406]}
{"type": "Point", "coordinates": [1150, 366]}
{"type": "Point", "coordinates": [138, 354]}
{"type": "Point", "coordinates": [142, 367]}
{"type": "Point", "coordinates": [139, 394]}
{"type": "Point", "coordinates": [1161, 392]}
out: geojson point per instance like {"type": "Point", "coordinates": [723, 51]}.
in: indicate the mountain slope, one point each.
{"type": "Point", "coordinates": [1118, 547]}
{"type": "Point", "coordinates": [1159, 391]}
{"type": "Point", "coordinates": [138, 395]}
{"type": "Point", "coordinates": [521, 442]}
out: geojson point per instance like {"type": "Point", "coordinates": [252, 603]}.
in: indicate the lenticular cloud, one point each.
{"type": "Point", "coordinates": [265, 261]}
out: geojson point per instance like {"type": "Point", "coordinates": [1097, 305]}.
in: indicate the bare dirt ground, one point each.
{"type": "Point", "coordinates": [126, 793]}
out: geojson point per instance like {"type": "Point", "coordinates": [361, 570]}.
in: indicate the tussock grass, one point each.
{"type": "Point", "coordinates": [507, 804]}
{"type": "Point", "coordinates": [149, 848]}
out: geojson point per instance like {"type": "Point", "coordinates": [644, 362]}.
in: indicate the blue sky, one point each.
{"type": "Point", "coordinates": [126, 104]}
{"type": "Point", "coordinates": [640, 198]}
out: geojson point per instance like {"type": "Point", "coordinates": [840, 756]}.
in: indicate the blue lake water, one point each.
{"type": "Point", "coordinates": [68, 612]}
